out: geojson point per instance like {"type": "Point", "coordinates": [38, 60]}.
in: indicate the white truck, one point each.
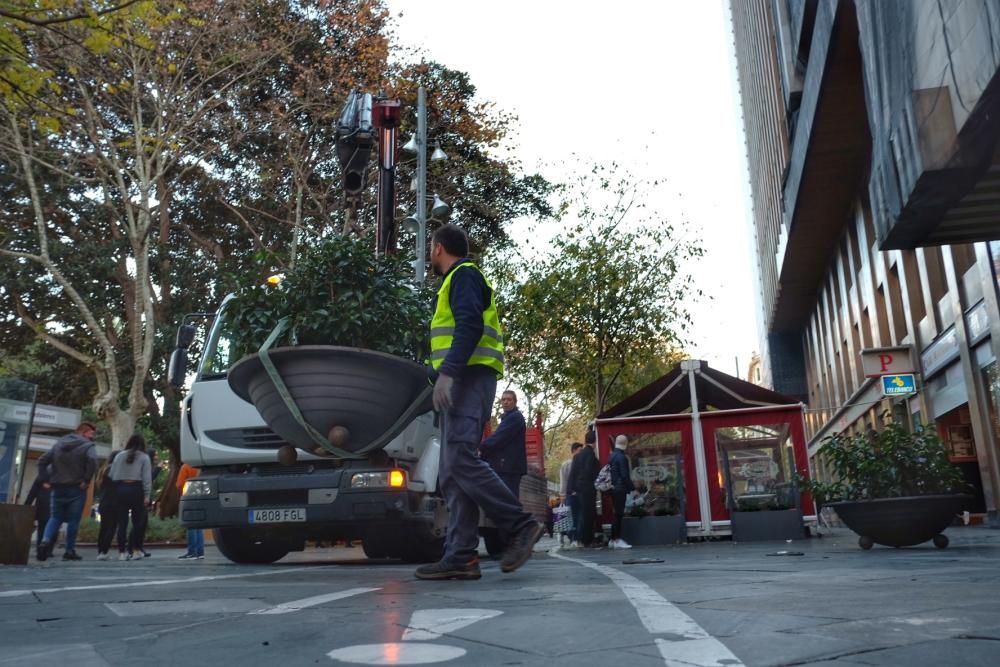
{"type": "Point", "coordinates": [259, 509]}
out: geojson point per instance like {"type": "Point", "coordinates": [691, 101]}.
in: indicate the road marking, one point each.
{"type": "Point", "coordinates": [428, 624]}
{"type": "Point", "coordinates": [397, 653]}
{"type": "Point", "coordinates": [159, 582]}
{"type": "Point", "coordinates": [168, 607]}
{"type": "Point", "coordinates": [304, 603]}
{"type": "Point", "coordinates": [689, 643]}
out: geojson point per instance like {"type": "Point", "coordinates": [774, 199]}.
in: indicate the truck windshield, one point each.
{"type": "Point", "coordinates": [220, 351]}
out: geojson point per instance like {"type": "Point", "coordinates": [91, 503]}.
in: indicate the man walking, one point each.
{"type": "Point", "coordinates": [73, 461]}
{"type": "Point", "coordinates": [568, 493]}
{"type": "Point", "coordinates": [622, 486]}
{"type": "Point", "coordinates": [467, 358]}
{"type": "Point", "coordinates": [504, 449]}
{"type": "Point", "coordinates": [582, 474]}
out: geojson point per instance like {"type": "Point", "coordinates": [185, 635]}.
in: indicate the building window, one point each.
{"type": "Point", "coordinates": [937, 282]}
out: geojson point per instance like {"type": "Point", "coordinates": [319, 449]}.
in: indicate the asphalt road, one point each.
{"type": "Point", "coordinates": [705, 604]}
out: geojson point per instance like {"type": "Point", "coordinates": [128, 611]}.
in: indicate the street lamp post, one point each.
{"type": "Point", "coordinates": [417, 223]}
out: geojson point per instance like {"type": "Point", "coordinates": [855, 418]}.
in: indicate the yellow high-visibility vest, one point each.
{"type": "Point", "coordinates": [489, 349]}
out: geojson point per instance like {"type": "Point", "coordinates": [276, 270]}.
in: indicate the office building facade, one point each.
{"type": "Point", "coordinates": [872, 140]}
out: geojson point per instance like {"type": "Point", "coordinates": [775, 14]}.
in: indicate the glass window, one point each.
{"type": "Point", "coordinates": [756, 463]}
{"type": "Point", "coordinates": [220, 354]}
{"type": "Point", "coordinates": [658, 471]}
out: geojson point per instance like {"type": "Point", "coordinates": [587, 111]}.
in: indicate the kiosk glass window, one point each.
{"type": "Point", "coordinates": [756, 465]}
{"type": "Point", "coordinates": [658, 471]}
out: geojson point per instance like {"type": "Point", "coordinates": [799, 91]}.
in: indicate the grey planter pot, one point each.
{"type": "Point", "coordinates": [767, 525]}
{"type": "Point", "coordinates": [654, 530]}
{"type": "Point", "coordinates": [901, 522]}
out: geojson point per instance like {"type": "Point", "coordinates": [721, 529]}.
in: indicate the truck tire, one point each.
{"type": "Point", "coordinates": [419, 546]}
{"type": "Point", "coordinates": [239, 546]}
{"type": "Point", "coordinates": [377, 546]}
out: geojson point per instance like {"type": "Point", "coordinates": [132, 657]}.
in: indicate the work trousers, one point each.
{"type": "Point", "coordinates": [573, 502]}
{"type": "Point", "coordinates": [468, 482]}
{"type": "Point", "coordinates": [587, 508]}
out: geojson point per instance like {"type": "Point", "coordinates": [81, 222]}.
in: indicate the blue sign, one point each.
{"type": "Point", "coordinates": [899, 385]}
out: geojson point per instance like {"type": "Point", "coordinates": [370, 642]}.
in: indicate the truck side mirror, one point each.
{"type": "Point", "coordinates": [185, 334]}
{"type": "Point", "coordinates": [178, 364]}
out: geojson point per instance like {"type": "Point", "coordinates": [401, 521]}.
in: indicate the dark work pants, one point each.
{"type": "Point", "coordinates": [573, 502]}
{"type": "Point", "coordinates": [586, 508]}
{"type": "Point", "coordinates": [43, 519]}
{"type": "Point", "coordinates": [128, 499]}
{"type": "Point", "coordinates": [468, 482]}
{"type": "Point", "coordinates": [109, 519]}
{"type": "Point", "coordinates": [619, 500]}
{"type": "Point", "coordinates": [512, 480]}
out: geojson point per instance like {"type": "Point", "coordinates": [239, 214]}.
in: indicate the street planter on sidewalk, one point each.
{"type": "Point", "coordinates": [901, 522]}
{"type": "Point", "coordinates": [767, 525]}
{"type": "Point", "coordinates": [16, 527]}
{"type": "Point", "coordinates": [653, 530]}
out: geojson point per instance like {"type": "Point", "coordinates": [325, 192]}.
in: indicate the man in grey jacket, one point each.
{"type": "Point", "coordinates": [67, 469]}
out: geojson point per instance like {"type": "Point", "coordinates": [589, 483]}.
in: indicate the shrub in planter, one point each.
{"type": "Point", "coordinates": [338, 293]}
{"type": "Point", "coordinates": [892, 487]}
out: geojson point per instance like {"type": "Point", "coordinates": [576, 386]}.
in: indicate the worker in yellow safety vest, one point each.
{"type": "Point", "coordinates": [466, 361]}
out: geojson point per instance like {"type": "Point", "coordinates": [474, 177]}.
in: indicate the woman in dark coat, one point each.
{"type": "Point", "coordinates": [582, 474]}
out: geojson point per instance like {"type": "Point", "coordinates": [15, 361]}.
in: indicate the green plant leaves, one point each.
{"type": "Point", "coordinates": [339, 293]}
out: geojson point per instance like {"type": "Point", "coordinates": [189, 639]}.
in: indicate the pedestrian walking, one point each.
{"type": "Point", "coordinates": [107, 509]}
{"type": "Point", "coordinates": [466, 361]}
{"type": "Point", "coordinates": [40, 495]}
{"type": "Point", "coordinates": [582, 474]}
{"type": "Point", "coordinates": [195, 537]}
{"type": "Point", "coordinates": [67, 469]}
{"type": "Point", "coordinates": [569, 496]}
{"type": "Point", "coordinates": [131, 475]}
{"type": "Point", "coordinates": [621, 487]}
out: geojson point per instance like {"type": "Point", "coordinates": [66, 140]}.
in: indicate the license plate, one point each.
{"type": "Point", "coordinates": [282, 515]}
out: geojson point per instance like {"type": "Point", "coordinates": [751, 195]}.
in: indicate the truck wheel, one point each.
{"type": "Point", "coordinates": [376, 546]}
{"type": "Point", "coordinates": [239, 546]}
{"type": "Point", "coordinates": [420, 548]}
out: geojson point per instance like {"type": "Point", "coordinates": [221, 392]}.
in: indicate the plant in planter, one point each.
{"type": "Point", "coordinates": [892, 487]}
{"type": "Point", "coordinates": [349, 329]}
{"type": "Point", "coordinates": [338, 293]}
{"type": "Point", "coordinates": [656, 521]}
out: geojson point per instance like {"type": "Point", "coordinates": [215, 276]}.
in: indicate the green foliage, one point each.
{"type": "Point", "coordinates": [604, 297]}
{"type": "Point", "coordinates": [891, 463]}
{"type": "Point", "coordinates": [157, 530]}
{"type": "Point", "coordinates": [339, 293]}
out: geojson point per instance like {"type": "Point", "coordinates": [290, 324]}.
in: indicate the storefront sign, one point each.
{"type": "Point", "coordinates": [977, 322]}
{"type": "Point", "coordinates": [899, 385]}
{"type": "Point", "coordinates": [940, 353]}
{"type": "Point", "coordinates": [881, 361]}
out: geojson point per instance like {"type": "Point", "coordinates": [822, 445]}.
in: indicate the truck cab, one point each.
{"type": "Point", "coordinates": [260, 508]}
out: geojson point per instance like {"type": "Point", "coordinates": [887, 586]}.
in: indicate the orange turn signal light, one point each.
{"type": "Point", "coordinates": [396, 478]}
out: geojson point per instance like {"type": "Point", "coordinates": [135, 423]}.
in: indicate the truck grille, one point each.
{"type": "Point", "coordinates": [249, 438]}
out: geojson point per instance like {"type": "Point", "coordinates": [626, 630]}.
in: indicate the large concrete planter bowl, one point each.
{"type": "Point", "coordinates": [364, 391]}
{"type": "Point", "coordinates": [901, 522]}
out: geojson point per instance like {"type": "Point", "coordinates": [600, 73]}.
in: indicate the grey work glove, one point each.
{"type": "Point", "coordinates": [442, 392]}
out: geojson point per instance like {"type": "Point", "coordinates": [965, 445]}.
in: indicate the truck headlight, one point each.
{"type": "Point", "coordinates": [198, 488]}
{"type": "Point", "coordinates": [395, 479]}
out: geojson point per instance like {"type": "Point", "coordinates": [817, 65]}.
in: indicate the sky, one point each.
{"type": "Point", "coordinates": [648, 83]}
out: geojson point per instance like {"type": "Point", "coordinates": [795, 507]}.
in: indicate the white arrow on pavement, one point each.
{"type": "Point", "coordinates": [432, 623]}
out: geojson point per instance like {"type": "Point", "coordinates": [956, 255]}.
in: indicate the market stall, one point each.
{"type": "Point", "coordinates": [718, 451]}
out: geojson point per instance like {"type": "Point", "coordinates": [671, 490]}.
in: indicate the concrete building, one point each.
{"type": "Point", "coordinates": [872, 139]}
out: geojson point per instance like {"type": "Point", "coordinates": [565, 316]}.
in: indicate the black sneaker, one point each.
{"type": "Point", "coordinates": [520, 547]}
{"type": "Point", "coordinates": [72, 555]}
{"type": "Point", "coordinates": [447, 570]}
{"type": "Point", "coordinates": [43, 551]}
